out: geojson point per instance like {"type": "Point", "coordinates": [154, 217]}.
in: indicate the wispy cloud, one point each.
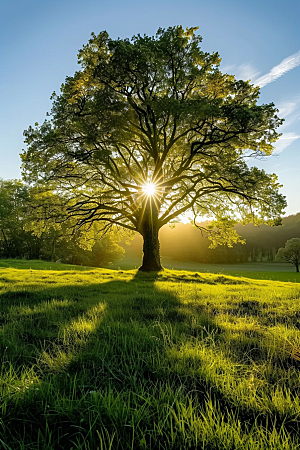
{"type": "Point", "coordinates": [243, 72]}
{"type": "Point", "coordinates": [285, 66]}
{"type": "Point", "coordinates": [285, 109]}
{"type": "Point", "coordinates": [285, 140]}
{"type": "Point", "coordinates": [289, 110]}
{"type": "Point", "coordinates": [246, 72]}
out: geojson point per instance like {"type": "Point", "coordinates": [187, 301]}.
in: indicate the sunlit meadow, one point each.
{"type": "Point", "coordinates": [115, 359]}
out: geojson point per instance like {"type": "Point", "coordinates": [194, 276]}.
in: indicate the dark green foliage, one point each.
{"type": "Point", "coordinates": [14, 240]}
{"type": "Point", "coordinates": [290, 253]}
{"type": "Point", "coordinates": [26, 233]}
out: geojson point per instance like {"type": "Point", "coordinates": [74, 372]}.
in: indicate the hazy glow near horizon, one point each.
{"type": "Point", "coordinates": [184, 219]}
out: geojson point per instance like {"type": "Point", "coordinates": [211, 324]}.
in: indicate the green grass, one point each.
{"type": "Point", "coordinates": [114, 359]}
{"type": "Point", "coordinates": [37, 264]}
{"type": "Point", "coordinates": [276, 271]}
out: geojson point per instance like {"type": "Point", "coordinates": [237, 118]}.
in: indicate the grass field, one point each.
{"type": "Point", "coordinates": [114, 359]}
{"type": "Point", "coordinates": [277, 271]}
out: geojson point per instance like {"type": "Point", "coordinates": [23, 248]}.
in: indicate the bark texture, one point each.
{"type": "Point", "coordinates": [149, 229]}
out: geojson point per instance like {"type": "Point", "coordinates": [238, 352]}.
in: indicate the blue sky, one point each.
{"type": "Point", "coordinates": [260, 40]}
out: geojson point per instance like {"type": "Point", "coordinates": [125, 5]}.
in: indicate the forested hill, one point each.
{"type": "Point", "coordinates": [186, 243]}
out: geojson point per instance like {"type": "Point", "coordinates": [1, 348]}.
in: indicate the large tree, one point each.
{"type": "Point", "coordinates": [149, 129]}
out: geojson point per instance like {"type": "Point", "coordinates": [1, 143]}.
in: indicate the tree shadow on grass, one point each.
{"type": "Point", "coordinates": [97, 347]}
{"type": "Point", "coordinates": [78, 339]}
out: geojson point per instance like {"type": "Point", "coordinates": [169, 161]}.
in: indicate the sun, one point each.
{"type": "Point", "coordinates": [149, 189]}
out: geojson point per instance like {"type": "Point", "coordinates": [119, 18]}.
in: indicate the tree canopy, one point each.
{"type": "Point", "coordinates": [290, 252]}
{"type": "Point", "coordinates": [149, 129]}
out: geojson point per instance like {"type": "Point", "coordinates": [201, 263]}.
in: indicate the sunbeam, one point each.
{"type": "Point", "coordinates": [149, 189]}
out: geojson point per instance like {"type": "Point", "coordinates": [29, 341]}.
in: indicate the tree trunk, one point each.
{"type": "Point", "coordinates": [5, 243]}
{"type": "Point", "coordinates": [53, 248]}
{"type": "Point", "coordinates": [149, 229]}
{"type": "Point", "coordinates": [297, 267]}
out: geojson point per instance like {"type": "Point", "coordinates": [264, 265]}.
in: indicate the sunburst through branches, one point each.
{"type": "Point", "coordinates": [150, 189]}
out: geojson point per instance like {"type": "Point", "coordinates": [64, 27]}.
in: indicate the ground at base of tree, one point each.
{"type": "Point", "coordinates": [277, 271]}
{"type": "Point", "coordinates": [115, 359]}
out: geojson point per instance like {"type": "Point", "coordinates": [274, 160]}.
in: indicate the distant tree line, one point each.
{"type": "Point", "coordinates": [26, 233]}
{"type": "Point", "coordinates": [186, 243]}
{"type": "Point", "coordinates": [29, 229]}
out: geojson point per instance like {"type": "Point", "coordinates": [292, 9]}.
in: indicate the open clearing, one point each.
{"type": "Point", "coordinates": [114, 359]}
{"type": "Point", "coordinates": [277, 271]}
